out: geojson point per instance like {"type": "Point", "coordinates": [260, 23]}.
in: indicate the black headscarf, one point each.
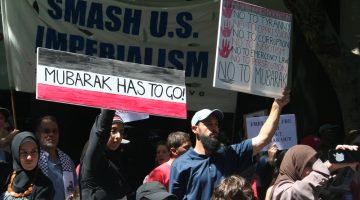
{"type": "Point", "coordinates": [23, 178]}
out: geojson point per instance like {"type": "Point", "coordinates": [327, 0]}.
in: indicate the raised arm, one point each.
{"type": "Point", "coordinates": [98, 138]}
{"type": "Point", "coordinates": [268, 129]}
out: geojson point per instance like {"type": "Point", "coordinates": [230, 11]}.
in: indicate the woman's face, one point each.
{"type": "Point", "coordinates": [29, 155]}
{"type": "Point", "coordinates": [162, 154]}
{"type": "Point", "coordinates": [308, 167]}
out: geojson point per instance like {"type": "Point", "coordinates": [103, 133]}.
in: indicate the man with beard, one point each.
{"type": "Point", "coordinates": [196, 173]}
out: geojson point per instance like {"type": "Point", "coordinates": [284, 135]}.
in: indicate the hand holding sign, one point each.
{"type": "Point", "coordinates": [285, 99]}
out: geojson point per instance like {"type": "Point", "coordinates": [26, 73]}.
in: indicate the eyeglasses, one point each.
{"type": "Point", "coordinates": [24, 154]}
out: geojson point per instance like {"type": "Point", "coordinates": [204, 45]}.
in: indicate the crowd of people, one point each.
{"type": "Point", "coordinates": [32, 166]}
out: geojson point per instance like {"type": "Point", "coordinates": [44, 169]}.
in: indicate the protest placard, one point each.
{"type": "Point", "coordinates": [99, 82]}
{"type": "Point", "coordinates": [252, 49]}
{"type": "Point", "coordinates": [285, 135]}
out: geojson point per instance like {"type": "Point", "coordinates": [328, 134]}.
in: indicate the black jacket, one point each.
{"type": "Point", "coordinates": [100, 178]}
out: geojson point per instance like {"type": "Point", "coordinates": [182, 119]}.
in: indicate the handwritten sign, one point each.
{"type": "Point", "coordinates": [100, 82]}
{"type": "Point", "coordinates": [252, 49]}
{"type": "Point", "coordinates": [285, 135]}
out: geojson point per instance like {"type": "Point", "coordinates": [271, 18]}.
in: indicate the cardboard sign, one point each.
{"type": "Point", "coordinates": [285, 135]}
{"type": "Point", "coordinates": [252, 49]}
{"type": "Point", "coordinates": [99, 82]}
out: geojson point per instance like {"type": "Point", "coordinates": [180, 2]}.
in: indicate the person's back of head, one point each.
{"type": "Point", "coordinates": [153, 191]}
{"type": "Point", "coordinates": [178, 143]}
{"type": "Point", "coordinates": [233, 188]}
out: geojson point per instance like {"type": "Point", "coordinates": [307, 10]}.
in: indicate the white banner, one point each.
{"type": "Point", "coordinates": [252, 49]}
{"type": "Point", "coordinates": [172, 35]}
{"type": "Point", "coordinates": [285, 135]}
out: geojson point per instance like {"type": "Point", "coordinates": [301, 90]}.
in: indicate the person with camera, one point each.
{"type": "Point", "coordinates": [303, 175]}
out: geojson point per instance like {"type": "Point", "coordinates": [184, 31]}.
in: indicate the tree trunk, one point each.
{"type": "Point", "coordinates": [341, 66]}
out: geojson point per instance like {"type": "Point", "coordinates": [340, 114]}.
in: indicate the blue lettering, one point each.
{"type": "Point", "coordinates": [107, 50]}
{"type": "Point", "coordinates": [95, 18]}
{"type": "Point", "coordinates": [181, 19]}
{"type": "Point", "coordinates": [197, 65]}
{"type": "Point", "coordinates": [134, 19]}
{"type": "Point", "coordinates": [55, 40]}
{"type": "Point", "coordinates": [121, 52]}
{"type": "Point", "coordinates": [161, 58]}
{"type": "Point", "coordinates": [148, 56]}
{"type": "Point", "coordinates": [39, 37]}
{"type": "Point", "coordinates": [115, 23]}
{"type": "Point", "coordinates": [173, 57]}
{"type": "Point", "coordinates": [76, 43]}
{"type": "Point", "coordinates": [134, 54]}
{"type": "Point", "coordinates": [158, 26]}
{"type": "Point", "coordinates": [55, 13]}
{"type": "Point", "coordinates": [75, 13]}
{"type": "Point", "coordinates": [90, 47]}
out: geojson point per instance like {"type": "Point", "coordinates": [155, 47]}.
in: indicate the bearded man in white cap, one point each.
{"type": "Point", "coordinates": [196, 173]}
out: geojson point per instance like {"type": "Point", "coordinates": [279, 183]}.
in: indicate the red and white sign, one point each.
{"type": "Point", "coordinates": [98, 82]}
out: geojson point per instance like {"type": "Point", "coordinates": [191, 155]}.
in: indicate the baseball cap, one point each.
{"type": "Point", "coordinates": [205, 113]}
{"type": "Point", "coordinates": [153, 191]}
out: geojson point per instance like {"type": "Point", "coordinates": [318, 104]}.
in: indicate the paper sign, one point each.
{"type": "Point", "coordinates": [127, 116]}
{"type": "Point", "coordinates": [105, 83]}
{"type": "Point", "coordinates": [252, 49]}
{"type": "Point", "coordinates": [285, 135]}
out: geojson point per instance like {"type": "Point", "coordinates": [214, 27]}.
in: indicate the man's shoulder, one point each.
{"type": "Point", "coordinates": [187, 159]}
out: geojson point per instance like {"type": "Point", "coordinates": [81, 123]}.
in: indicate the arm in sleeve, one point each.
{"type": "Point", "coordinates": [98, 138]}
{"type": "Point", "coordinates": [177, 184]}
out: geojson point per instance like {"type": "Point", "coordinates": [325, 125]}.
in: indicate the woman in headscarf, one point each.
{"type": "Point", "coordinates": [303, 175]}
{"type": "Point", "coordinates": [101, 172]}
{"type": "Point", "coordinates": [26, 180]}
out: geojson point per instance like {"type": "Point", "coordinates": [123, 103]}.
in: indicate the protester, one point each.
{"type": "Point", "coordinates": [330, 136]}
{"type": "Point", "coordinates": [303, 175]}
{"type": "Point", "coordinates": [162, 153]}
{"type": "Point", "coordinates": [53, 162]}
{"type": "Point", "coordinates": [100, 177]}
{"type": "Point", "coordinates": [27, 181]}
{"type": "Point", "coordinates": [233, 188]}
{"type": "Point", "coordinates": [178, 143]}
{"type": "Point", "coordinates": [153, 191]}
{"type": "Point", "coordinates": [7, 132]}
{"type": "Point", "coordinates": [195, 174]}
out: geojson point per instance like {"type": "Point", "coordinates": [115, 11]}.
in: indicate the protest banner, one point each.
{"type": "Point", "coordinates": [172, 34]}
{"type": "Point", "coordinates": [99, 82]}
{"type": "Point", "coordinates": [285, 135]}
{"type": "Point", "coordinates": [252, 49]}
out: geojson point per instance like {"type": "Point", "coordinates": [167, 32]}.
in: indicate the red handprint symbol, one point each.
{"type": "Point", "coordinates": [227, 9]}
{"type": "Point", "coordinates": [226, 29]}
{"type": "Point", "coordinates": [225, 49]}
